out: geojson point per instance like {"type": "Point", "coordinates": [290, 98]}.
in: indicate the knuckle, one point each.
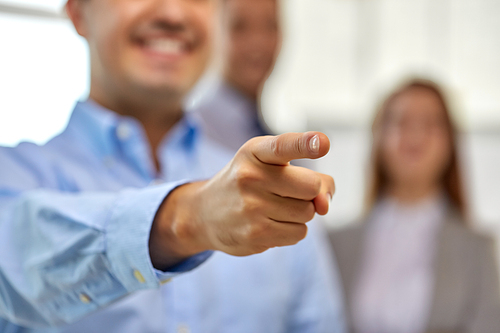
{"type": "Point", "coordinates": [328, 179]}
{"type": "Point", "coordinates": [298, 145]}
{"type": "Point", "coordinates": [302, 212]}
{"type": "Point", "coordinates": [251, 206]}
{"type": "Point", "coordinates": [299, 234]}
{"type": "Point", "coordinates": [315, 184]}
{"type": "Point", "coordinates": [250, 143]}
{"type": "Point", "coordinates": [277, 146]}
{"type": "Point", "coordinates": [257, 231]}
{"type": "Point", "coordinates": [281, 146]}
{"type": "Point", "coordinates": [329, 183]}
{"type": "Point", "coordinates": [310, 183]}
{"type": "Point", "coordinates": [334, 186]}
{"type": "Point", "coordinates": [259, 249]}
{"type": "Point", "coordinates": [291, 236]}
{"type": "Point", "coordinates": [302, 233]}
{"type": "Point", "coordinates": [229, 240]}
{"type": "Point", "coordinates": [245, 175]}
{"type": "Point", "coordinates": [310, 211]}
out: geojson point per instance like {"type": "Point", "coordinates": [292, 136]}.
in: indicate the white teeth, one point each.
{"type": "Point", "coordinates": [165, 45]}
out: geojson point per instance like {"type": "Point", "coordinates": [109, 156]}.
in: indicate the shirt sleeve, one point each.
{"type": "Point", "coordinates": [65, 255]}
{"type": "Point", "coordinates": [317, 305]}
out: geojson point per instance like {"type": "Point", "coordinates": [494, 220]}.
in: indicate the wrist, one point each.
{"type": "Point", "coordinates": [176, 233]}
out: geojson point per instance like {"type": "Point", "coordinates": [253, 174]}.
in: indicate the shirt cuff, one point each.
{"type": "Point", "coordinates": [184, 266]}
{"type": "Point", "coordinates": [127, 239]}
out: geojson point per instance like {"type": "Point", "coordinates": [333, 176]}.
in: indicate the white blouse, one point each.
{"type": "Point", "coordinates": [394, 290]}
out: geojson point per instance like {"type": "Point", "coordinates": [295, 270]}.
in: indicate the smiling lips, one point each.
{"type": "Point", "coordinates": [166, 46]}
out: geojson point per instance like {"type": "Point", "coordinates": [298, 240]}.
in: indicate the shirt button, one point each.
{"type": "Point", "coordinates": [85, 298]}
{"type": "Point", "coordinates": [138, 276]}
{"type": "Point", "coordinates": [183, 329]}
{"type": "Point", "coordinates": [123, 131]}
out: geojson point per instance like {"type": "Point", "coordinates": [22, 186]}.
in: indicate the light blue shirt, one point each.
{"type": "Point", "coordinates": [75, 219]}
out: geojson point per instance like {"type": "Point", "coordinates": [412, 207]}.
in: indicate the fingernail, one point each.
{"type": "Point", "coordinates": [314, 144]}
{"type": "Point", "coordinates": [329, 197]}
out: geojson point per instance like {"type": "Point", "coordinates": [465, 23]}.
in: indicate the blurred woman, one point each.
{"type": "Point", "coordinates": [414, 265]}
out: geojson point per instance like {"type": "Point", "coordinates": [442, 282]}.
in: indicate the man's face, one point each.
{"type": "Point", "coordinates": [252, 40]}
{"type": "Point", "coordinates": [159, 46]}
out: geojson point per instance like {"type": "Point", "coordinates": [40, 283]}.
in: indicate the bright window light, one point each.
{"type": "Point", "coordinates": [43, 72]}
{"type": "Point", "coordinates": [52, 5]}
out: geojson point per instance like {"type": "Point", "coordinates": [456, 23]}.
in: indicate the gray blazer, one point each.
{"type": "Point", "coordinates": [466, 290]}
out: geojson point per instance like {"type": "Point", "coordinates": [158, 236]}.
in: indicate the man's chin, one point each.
{"type": "Point", "coordinates": [162, 89]}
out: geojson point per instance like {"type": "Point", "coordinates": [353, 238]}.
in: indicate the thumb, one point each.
{"type": "Point", "coordinates": [281, 149]}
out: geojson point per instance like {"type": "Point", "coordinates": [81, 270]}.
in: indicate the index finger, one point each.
{"type": "Point", "coordinates": [281, 149]}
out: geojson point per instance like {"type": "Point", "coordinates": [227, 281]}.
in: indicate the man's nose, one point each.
{"type": "Point", "coordinates": [172, 12]}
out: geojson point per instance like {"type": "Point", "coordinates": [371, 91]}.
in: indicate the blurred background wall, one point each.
{"type": "Point", "coordinates": [339, 58]}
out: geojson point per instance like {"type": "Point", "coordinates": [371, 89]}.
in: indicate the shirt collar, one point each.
{"type": "Point", "coordinates": [96, 127]}
{"type": "Point", "coordinates": [183, 135]}
{"type": "Point", "coordinates": [110, 134]}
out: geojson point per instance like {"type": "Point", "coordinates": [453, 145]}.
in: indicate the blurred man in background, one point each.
{"type": "Point", "coordinates": [251, 42]}
{"type": "Point", "coordinates": [89, 243]}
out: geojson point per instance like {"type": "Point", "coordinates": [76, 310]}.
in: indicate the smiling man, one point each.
{"type": "Point", "coordinates": [112, 227]}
